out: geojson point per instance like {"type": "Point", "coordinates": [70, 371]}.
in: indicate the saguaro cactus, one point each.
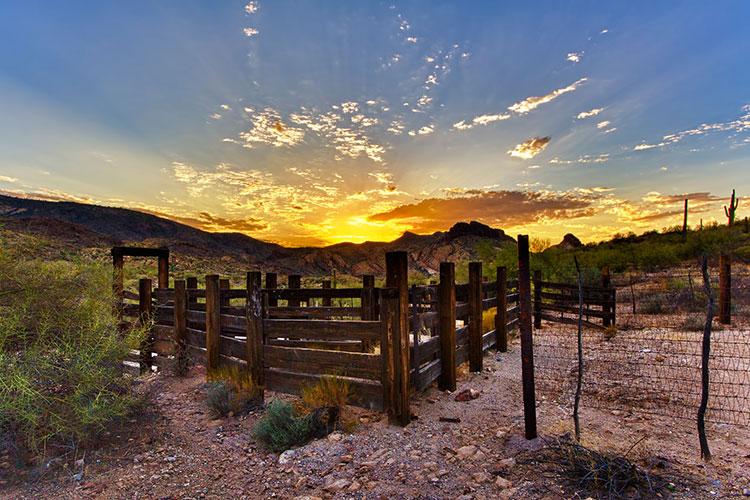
{"type": "Point", "coordinates": [732, 209]}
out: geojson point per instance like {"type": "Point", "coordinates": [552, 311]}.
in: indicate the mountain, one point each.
{"type": "Point", "coordinates": [79, 225]}
{"type": "Point", "coordinates": [569, 242]}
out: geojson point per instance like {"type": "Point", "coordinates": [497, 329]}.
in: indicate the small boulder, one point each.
{"type": "Point", "coordinates": [467, 395]}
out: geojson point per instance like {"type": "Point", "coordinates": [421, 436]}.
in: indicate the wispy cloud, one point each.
{"type": "Point", "coordinates": [530, 148]}
{"type": "Point", "coordinates": [574, 57]}
{"type": "Point", "coordinates": [603, 124]}
{"type": "Point", "coordinates": [268, 128]}
{"type": "Point", "coordinates": [7, 179]}
{"type": "Point", "coordinates": [250, 32]}
{"type": "Point", "coordinates": [480, 120]}
{"type": "Point", "coordinates": [252, 7]}
{"type": "Point", "coordinates": [588, 114]}
{"type": "Point", "coordinates": [531, 103]}
{"type": "Point", "coordinates": [601, 158]}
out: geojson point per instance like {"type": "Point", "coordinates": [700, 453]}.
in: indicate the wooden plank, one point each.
{"type": "Point", "coordinates": [462, 310]}
{"type": "Point", "coordinates": [314, 293]}
{"type": "Point", "coordinates": [333, 345]}
{"type": "Point", "coordinates": [127, 294]}
{"type": "Point", "coordinates": [596, 313]}
{"type": "Point", "coordinates": [368, 394]}
{"type": "Point", "coordinates": [233, 324]}
{"type": "Point", "coordinates": [427, 374]}
{"type": "Point", "coordinates": [180, 326]}
{"type": "Point", "coordinates": [570, 321]}
{"type": "Point", "coordinates": [428, 350]}
{"type": "Point", "coordinates": [313, 312]}
{"type": "Point", "coordinates": [130, 310]}
{"type": "Point", "coordinates": [195, 337]}
{"type": "Point", "coordinates": [145, 315]}
{"type": "Point", "coordinates": [316, 361]}
{"type": "Point", "coordinates": [501, 316]}
{"type": "Point", "coordinates": [272, 283]}
{"type": "Point", "coordinates": [397, 276]}
{"type": "Point", "coordinates": [475, 317]}
{"type": "Point", "coordinates": [294, 281]}
{"type": "Point", "coordinates": [322, 329]}
{"type": "Point", "coordinates": [488, 340]}
{"type": "Point", "coordinates": [489, 303]}
{"type": "Point", "coordinates": [162, 332]}
{"type": "Point", "coordinates": [527, 341]}
{"type": "Point", "coordinates": [573, 298]}
{"type": "Point", "coordinates": [163, 347]}
{"type": "Point", "coordinates": [254, 346]}
{"type": "Point", "coordinates": [568, 286]}
{"type": "Point", "coordinates": [213, 322]}
{"type": "Point", "coordinates": [230, 346]}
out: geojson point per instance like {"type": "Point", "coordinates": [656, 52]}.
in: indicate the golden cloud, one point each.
{"type": "Point", "coordinates": [529, 149]}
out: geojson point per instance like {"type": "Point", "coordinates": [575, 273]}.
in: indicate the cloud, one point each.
{"type": "Point", "coordinates": [411, 39]}
{"type": "Point", "coordinates": [574, 57]}
{"type": "Point", "coordinates": [427, 129]}
{"type": "Point", "coordinates": [588, 114]}
{"type": "Point", "coordinates": [530, 148]}
{"type": "Point", "coordinates": [531, 103]}
{"type": "Point", "coordinates": [350, 141]}
{"type": "Point", "coordinates": [603, 124]}
{"type": "Point", "coordinates": [6, 179]}
{"type": "Point", "coordinates": [268, 128]}
{"type": "Point", "coordinates": [498, 208]}
{"type": "Point", "coordinates": [601, 158]}
{"type": "Point", "coordinates": [252, 7]}
{"type": "Point", "coordinates": [250, 32]}
{"type": "Point", "coordinates": [480, 120]}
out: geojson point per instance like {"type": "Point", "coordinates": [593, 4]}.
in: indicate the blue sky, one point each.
{"type": "Point", "coordinates": [317, 122]}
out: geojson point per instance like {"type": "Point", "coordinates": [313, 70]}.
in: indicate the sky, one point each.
{"type": "Point", "coordinates": [317, 122]}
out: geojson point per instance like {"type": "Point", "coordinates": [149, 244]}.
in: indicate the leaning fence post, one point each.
{"type": "Point", "coordinates": [527, 345]}
{"type": "Point", "coordinates": [396, 272]}
{"type": "Point", "coordinates": [145, 310]}
{"type": "Point", "coordinates": [725, 289]}
{"type": "Point", "coordinates": [447, 326]}
{"type": "Point", "coordinates": [606, 307]}
{"type": "Point", "coordinates": [254, 332]}
{"type": "Point", "coordinates": [271, 284]}
{"type": "Point", "coordinates": [501, 316]}
{"type": "Point", "coordinates": [294, 282]}
{"type": "Point", "coordinates": [475, 316]}
{"type": "Point", "coordinates": [213, 322]}
{"type": "Point", "coordinates": [164, 269]}
{"type": "Point", "coordinates": [537, 299]}
{"type": "Point", "coordinates": [180, 326]}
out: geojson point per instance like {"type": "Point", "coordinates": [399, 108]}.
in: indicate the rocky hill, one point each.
{"type": "Point", "coordinates": [79, 225]}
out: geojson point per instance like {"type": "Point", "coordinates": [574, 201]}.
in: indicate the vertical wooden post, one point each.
{"type": "Point", "coordinates": [475, 316]}
{"type": "Point", "coordinates": [192, 284]}
{"type": "Point", "coordinates": [146, 312]}
{"type": "Point", "coordinates": [368, 298]}
{"type": "Point", "coordinates": [164, 271]}
{"type": "Point", "coordinates": [213, 322]}
{"type": "Point", "coordinates": [118, 281]}
{"type": "Point", "coordinates": [606, 307]}
{"type": "Point", "coordinates": [180, 326]}
{"type": "Point", "coordinates": [396, 272]}
{"type": "Point", "coordinates": [294, 282]}
{"type": "Point", "coordinates": [271, 284]}
{"type": "Point", "coordinates": [447, 326]}
{"type": "Point", "coordinates": [255, 340]}
{"type": "Point", "coordinates": [388, 326]}
{"type": "Point", "coordinates": [224, 285]}
{"type": "Point", "coordinates": [527, 340]}
{"type": "Point", "coordinates": [501, 317]}
{"type": "Point", "coordinates": [326, 286]}
{"type": "Point", "coordinates": [725, 289]}
{"type": "Point", "coordinates": [537, 299]}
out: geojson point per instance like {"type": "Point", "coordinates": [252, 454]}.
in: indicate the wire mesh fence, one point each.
{"type": "Point", "coordinates": [651, 361]}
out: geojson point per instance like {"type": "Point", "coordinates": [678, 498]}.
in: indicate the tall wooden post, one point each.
{"type": "Point", "coordinates": [475, 316]}
{"type": "Point", "coordinates": [294, 282]}
{"type": "Point", "coordinates": [224, 285]}
{"type": "Point", "coordinates": [192, 284]}
{"type": "Point", "coordinates": [326, 300]}
{"type": "Point", "coordinates": [607, 308]}
{"type": "Point", "coordinates": [254, 325]}
{"type": "Point", "coordinates": [396, 276]}
{"type": "Point", "coordinates": [271, 284]}
{"type": "Point", "coordinates": [537, 299]}
{"type": "Point", "coordinates": [164, 270]}
{"type": "Point", "coordinates": [447, 326]}
{"type": "Point", "coordinates": [146, 313]}
{"type": "Point", "coordinates": [527, 341]}
{"type": "Point", "coordinates": [213, 322]}
{"type": "Point", "coordinates": [725, 289]}
{"type": "Point", "coordinates": [180, 326]}
{"type": "Point", "coordinates": [501, 317]}
{"type": "Point", "coordinates": [368, 297]}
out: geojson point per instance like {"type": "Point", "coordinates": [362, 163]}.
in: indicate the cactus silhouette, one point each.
{"type": "Point", "coordinates": [732, 210]}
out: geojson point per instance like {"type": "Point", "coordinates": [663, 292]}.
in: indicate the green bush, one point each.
{"type": "Point", "coordinates": [282, 427]}
{"type": "Point", "coordinates": [61, 377]}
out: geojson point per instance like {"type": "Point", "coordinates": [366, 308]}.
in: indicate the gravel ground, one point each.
{"type": "Point", "coordinates": [175, 450]}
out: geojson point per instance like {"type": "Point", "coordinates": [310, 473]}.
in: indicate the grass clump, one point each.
{"type": "Point", "coordinates": [230, 391]}
{"type": "Point", "coordinates": [61, 354]}
{"type": "Point", "coordinates": [329, 391]}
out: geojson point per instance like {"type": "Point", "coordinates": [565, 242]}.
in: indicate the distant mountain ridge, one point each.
{"type": "Point", "coordinates": [83, 225]}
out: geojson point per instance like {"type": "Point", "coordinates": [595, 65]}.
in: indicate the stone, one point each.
{"type": "Point", "coordinates": [746, 492]}
{"type": "Point", "coordinates": [503, 483]}
{"type": "Point", "coordinates": [467, 395]}
{"type": "Point", "coordinates": [286, 457]}
{"type": "Point", "coordinates": [480, 477]}
{"type": "Point", "coordinates": [337, 485]}
{"type": "Point", "coordinates": [465, 452]}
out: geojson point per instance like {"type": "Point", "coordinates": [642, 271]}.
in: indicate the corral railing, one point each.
{"type": "Point", "coordinates": [382, 341]}
{"type": "Point", "coordinates": [559, 303]}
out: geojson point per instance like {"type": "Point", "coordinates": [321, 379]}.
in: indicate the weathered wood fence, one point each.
{"type": "Point", "coordinates": [386, 342]}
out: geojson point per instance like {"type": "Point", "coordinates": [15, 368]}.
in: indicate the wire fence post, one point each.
{"type": "Point", "coordinates": [527, 341]}
{"type": "Point", "coordinates": [705, 353]}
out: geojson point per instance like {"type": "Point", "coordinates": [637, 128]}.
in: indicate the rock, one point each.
{"type": "Point", "coordinates": [307, 497]}
{"type": "Point", "coordinates": [78, 477]}
{"type": "Point", "coordinates": [467, 395]}
{"type": "Point", "coordinates": [503, 483]}
{"type": "Point", "coordinates": [170, 459]}
{"type": "Point", "coordinates": [336, 436]}
{"type": "Point", "coordinates": [746, 492]}
{"type": "Point", "coordinates": [337, 485]}
{"type": "Point", "coordinates": [286, 457]}
{"type": "Point", "coordinates": [465, 452]}
{"type": "Point", "coordinates": [480, 477]}
{"type": "Point", "coordinates": [507, 494]}
{"type": "Point", "coordinates": [355, 486]}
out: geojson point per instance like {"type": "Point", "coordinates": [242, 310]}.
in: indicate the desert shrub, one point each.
{"type": "Point", "coordinates": [488, 319]}
{"type": "Point", "coordinates": [61, 377]}
{"type": "Point", "coordinates": [282, 427]}
{"type": "Point", "coordinates": [694, 323]}
{"type": "Point", "coordinates": [230, 390]}
{"type": "Point", "coordinates": [653, 305]}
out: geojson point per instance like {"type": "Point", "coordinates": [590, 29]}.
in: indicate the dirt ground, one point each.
{"type": "Point", "coordinates": [175, 450]}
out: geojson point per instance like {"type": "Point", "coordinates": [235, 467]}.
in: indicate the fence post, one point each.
{"type": "Point", "coordinates": [501, 316]}
{"type": "Point", "coordinates": [326, 285]}
{"type": "Point", "coordinates": [447, 328]}
{"type": "Point", "coordinates": [164, 271]}
{"type": "Point", "coordinates": [224, 285]}
{"type": "Point", "coordinates": [537, 299]}
{"type": "Point", "coordinates": [607, 308]}
{"type": "Point", "coordinates": [271, 284]}
{"type": "Point", "coordinates": [475, 316]}
{"type": "Point", "coordinates": [368, 299]}
{"type": "Point", "coordinates": [294, 282]}
{"type": "Point", "coordinates": [396, 272]}
{"type": "Point", "coordinates": [254, 332]}
{"type": "Point", "coordinates": [192, 283]}
{"type": "Point", "coordinates": [180, 326]}
{"type": "Point", "coordinates": [388, 326]}
{"type": "Point", "coordinates": [527, 340]}
{"type": "Point", "coordinates": [213, 322]}
{"type": "Point", "coordinates": [145, 310]}
{"type": "Point", "coordinates": [118, 279]}
{"type": "Point", "coordinates": [725, 289]}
